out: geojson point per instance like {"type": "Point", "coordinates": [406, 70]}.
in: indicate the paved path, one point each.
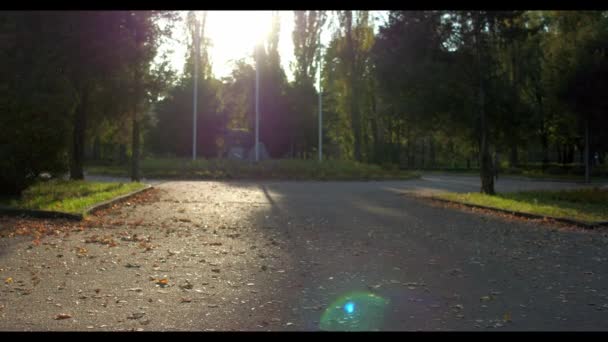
{"type": "Point", "coordinates": [276, 255]}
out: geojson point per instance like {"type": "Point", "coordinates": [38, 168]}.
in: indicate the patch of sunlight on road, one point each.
{"type": "Point", "coordinates": [374, 209]}
{"type": "Point", "coordinates": [355, 311]}
{"type": "Point", "coordinates": [453, 181]}
{"type": "Point", "coordinates": [417, 190]}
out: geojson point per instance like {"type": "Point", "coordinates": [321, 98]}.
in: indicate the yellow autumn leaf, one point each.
{"type": "Point", "coordinates": [8, 280]}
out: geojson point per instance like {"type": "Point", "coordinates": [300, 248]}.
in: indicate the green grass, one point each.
{"type": "Point", "coordinates": [285, 169]}
{"type": "Point", "coordinates": [589, 205]}
{"type": "Point", "coordinates": [69, 196]}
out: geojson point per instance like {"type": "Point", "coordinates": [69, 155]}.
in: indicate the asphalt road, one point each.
{"type": "Point", "coordinates": [290, 255]}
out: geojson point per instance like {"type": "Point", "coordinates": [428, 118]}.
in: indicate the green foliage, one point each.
{"type": "Point", "coordinates": [35, 101]}
{"type": "Point", "coordinates": [430, 89]}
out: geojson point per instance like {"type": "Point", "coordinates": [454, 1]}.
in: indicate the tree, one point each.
{"type": "Point", "coordinates": [583, 72]}
{"type": "Point", "coordinates": [144, 33]}
{"type": "Point", "coordinates": [302, 94]}
{"type": "Point", "coordinates": [35, 100]}
{"type": "Point", "coordinates": [274, 125]}
{"type": "Point", "coordinates": [174, 112]}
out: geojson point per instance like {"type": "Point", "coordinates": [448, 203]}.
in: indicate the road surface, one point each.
{"type": "Point", "coordinates": [307, 256]}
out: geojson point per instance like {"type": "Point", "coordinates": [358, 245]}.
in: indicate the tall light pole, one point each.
{"type": "Point", "coordinates": [257, 104]}
{"type": "Point", "coordinates": [320, 103]}
{"type": "Point", "coordinates": [195, 95]}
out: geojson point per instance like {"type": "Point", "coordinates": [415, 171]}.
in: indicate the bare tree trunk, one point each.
{"type": "Point", "coordinates": [97, 149]}
{"type": "Point", "coordinates": [487, 177]}
{"type": "Point", "coordinates": [375, 132]}
{"type": "Point", "coordinates": [135, 177]}
{"type": "Point", "coordinates": [80, 124]}
{"type": "Point", "coordinates": [423, 152]}
{"type": "Point", "coordinates": [587, 152]}
{"type": "Point", "coordinates": [513, 156]}
{"type": "Point", "coordinates": [432, 151]}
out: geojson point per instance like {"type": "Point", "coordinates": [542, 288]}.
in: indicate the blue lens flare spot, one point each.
{"type": "Point", "coordinates": [349, 307]}
{"type": "Point", "coordinates": [354, 311]}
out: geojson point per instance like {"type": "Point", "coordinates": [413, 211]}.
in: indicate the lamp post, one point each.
{"type": "Point", "coordinates": [257, 104]}
{"type": "Point", "coordinates": [195, 94]}
{"type": "Point", "coordinates": [320, 103]}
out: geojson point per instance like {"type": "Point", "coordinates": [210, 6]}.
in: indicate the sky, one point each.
{"type": "Point", "coordinates": [233, 35]}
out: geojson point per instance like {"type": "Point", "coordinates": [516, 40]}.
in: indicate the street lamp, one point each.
{"type": "Point", "coordinates": [257, 102]}
{"type": "Point", "coordinates": [195, 94]}
{"type": "Point", "coordinates": [320, 102]}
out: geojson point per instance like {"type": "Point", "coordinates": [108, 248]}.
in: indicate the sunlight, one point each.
{"type": "Point", "coordinates": [235, 31]}
{"type": "Point", "coordinates": [234, 34]}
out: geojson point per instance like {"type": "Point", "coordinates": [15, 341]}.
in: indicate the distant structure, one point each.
{"type": "Point", "coordinates": [240, 145]}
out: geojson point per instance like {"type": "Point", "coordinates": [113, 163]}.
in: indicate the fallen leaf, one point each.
{"type": "Point", "coordinates": [63, 316]}
{"type": "Point", "coordinates": [186, 300]}
{"type": "Point", "coordinates": [163, 282]}
{"type": "Point", "coordinates": [507, 317]}
{"type": "Point", "coordinates": [8, 280]}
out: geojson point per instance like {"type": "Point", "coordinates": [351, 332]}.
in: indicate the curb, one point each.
{"type": "Point", "coordinates": [588, 225]}
{"type": "Point", "coordinates": [110, 202]}
{"type": "Point", "coordinates": [59, 214]}
{"type": "Point", "coordinates": [39, 213]}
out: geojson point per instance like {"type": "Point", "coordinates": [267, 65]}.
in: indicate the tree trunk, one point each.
{"type": "Point", "coordinates": [354, 108]}
{"type": "Point", "coordinates": [135, 177]}
{"type": "Point", "coordinates": [432, 152]}
{"type": "Point", "coordinates": [487, 176]}
{"type": "Point", "coordinates": [122, 154]}
{"type": "Point", "coordinates": [544, 140]}
{"type": "Point", "coordinates": [375, 132]}
{"type": "Point", "coordinates": [80, 124]}
{"type": "Point", "coordinates": [97, 149]}
{"type": "Point", "coordinates": [587, 152]}
{"type": "Point", "coordinates": [423, 154]}
{"type": "Point", "coordinates": [513, 156]}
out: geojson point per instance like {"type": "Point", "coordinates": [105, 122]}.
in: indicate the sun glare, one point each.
{"type": "Point", "coordinates": [234, 34]}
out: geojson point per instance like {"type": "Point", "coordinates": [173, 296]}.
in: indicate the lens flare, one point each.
{"type": "Point", "coordinates": [356, 311]}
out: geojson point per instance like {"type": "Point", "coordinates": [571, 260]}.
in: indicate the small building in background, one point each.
{"type": "Point", "coordinates": [239, 145]}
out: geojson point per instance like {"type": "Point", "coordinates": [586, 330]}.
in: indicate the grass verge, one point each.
{"type": "Point", "coordinates": [285, 169]}
{"type": "Point", "coordinates": [69, 196]}
{"type": "Point", "coordinates": [587, 205]}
